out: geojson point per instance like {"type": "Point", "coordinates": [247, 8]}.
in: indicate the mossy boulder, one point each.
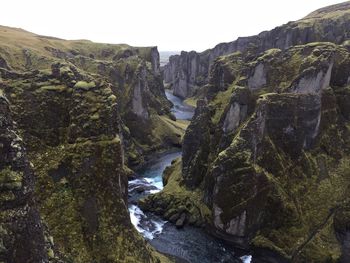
{"type": "Point", "coordinates": [176, 202]}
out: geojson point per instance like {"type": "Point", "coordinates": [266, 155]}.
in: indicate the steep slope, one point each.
{"type": "Point", "coordinates": [190, 70]}
{"type": "Point", "coordinates": [271, 160]}
{"type": "Point", "coordinates": [76, 105]}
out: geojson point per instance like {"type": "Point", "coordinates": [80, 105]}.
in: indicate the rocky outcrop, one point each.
{"type": "Point", "coordinates": [190, 70]}
{"type": "Point", "coordinates": [140, 88]}
{"type": "Point", "coordinates": [22, 237]}
{"type": "Point", "coordinates": [155, 61]}
{"type": "Point", "coordinates": [313, 82]}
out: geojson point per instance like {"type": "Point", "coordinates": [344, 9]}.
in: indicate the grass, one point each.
{"type": "Point", "coordinates": [221, 100]}
{"type": "Point", "coordinates": [191, 102]}
{"type": "Point", "coordinates": [166, 127]}
{"type": "Point", "coordinates": [41, 49]}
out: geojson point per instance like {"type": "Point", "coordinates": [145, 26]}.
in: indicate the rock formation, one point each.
{"type": "Point", "coordinates": [269, 154]}
{"type": "Point", "coordinates": [189, 71]}
{"type": "Point", "coordinates": [266, 158]}
{"type": "Point", "coordinates": [75, 107]}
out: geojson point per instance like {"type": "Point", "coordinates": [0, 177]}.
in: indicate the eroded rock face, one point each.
{"type": "Point", "coordinates": [196, 146]}
{"type": "Point", "coordinates": [236, 170]}
{"type": "Point", "coordinates": [258, 79]}
{"type": "Point", "coordinates": [233, 117]}
{"type": "Point", "coordinates": [155, 61]}
{"type": "Point", "coordinates": [191, 69]}
{"type": "Point", "coordinates": [313, 83]}
{"type": "Point", "coordinates": [140, 89]}
{"type": "Point", "coordinates": [21, 230]}
{"type": "Point", "coordinates": [183, 73]}
{"type": "Point", "coordinates": [240, 107]}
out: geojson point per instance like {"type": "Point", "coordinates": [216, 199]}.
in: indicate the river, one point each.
{"type": "Point", "coordinates": [189, 244]}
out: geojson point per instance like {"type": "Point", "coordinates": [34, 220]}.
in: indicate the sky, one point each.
{"type": "Point", "coordinates": [172, 25]}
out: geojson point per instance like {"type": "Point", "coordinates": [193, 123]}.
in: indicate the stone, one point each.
{"type": "Point", "coordinates": [181, 221]}
{"type": "Point", "coordinates": [258, 79]}
{"type": "Point", "coordinates": [174, 218]}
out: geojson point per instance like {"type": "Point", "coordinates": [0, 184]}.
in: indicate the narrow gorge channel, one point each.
{"type": "Point", "coordinates": [189, 244]}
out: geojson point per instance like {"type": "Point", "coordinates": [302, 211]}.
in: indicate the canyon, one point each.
{"type": "Point", "coordinates": [240, 153]}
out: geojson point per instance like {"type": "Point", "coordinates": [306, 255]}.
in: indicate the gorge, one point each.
{"type": "Point", "coordinates": [240, 153]}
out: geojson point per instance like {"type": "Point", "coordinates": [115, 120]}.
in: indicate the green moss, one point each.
{"type": "Point", "coordinates": [50, 254]}
{"type": "Point", "coordinates": [59, 88]}
{"type": "Point", "coordinates": [166, 127]}
{"type": "Point", "coordinates": [95, 116]}
{"type": "Point", "coordinates": [262, 242]}
{"type": "Point", "coordinates": [268, 54]}
{"type": "Point", "coordinates": [7, 196]}
{"type": "Point", "coordinates": [112, 98]}
{"type": "Point", "coordinates": [220, 102]}
{"type": "Point", "coordinates": [11, 180]}
{"type": "Point", "coordinates": [85, 85]}
{"type": "Point", "coordinates": [191, 101]}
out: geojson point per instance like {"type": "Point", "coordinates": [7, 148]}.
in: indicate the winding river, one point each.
{"type": "Point", "coordinates": [189, 244]}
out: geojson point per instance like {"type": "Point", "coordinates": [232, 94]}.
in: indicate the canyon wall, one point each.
{"type": "Point", "coordinates": [267, 152]}
{"type": "Point", "coordinates": [189, 71]}
{"type": "Point", "coordinates": [67, 143]}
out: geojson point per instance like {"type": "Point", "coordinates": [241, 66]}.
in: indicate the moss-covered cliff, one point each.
{"type": "Point", "coordinates": [84, 111]}
{"type": "Point", "coordinates": [132, 73]}
{"type": "Point", "coordinates": [271, 160]}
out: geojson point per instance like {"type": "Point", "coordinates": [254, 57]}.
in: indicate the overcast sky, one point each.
{"type": "Point", "coordinates": [171, 25]}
